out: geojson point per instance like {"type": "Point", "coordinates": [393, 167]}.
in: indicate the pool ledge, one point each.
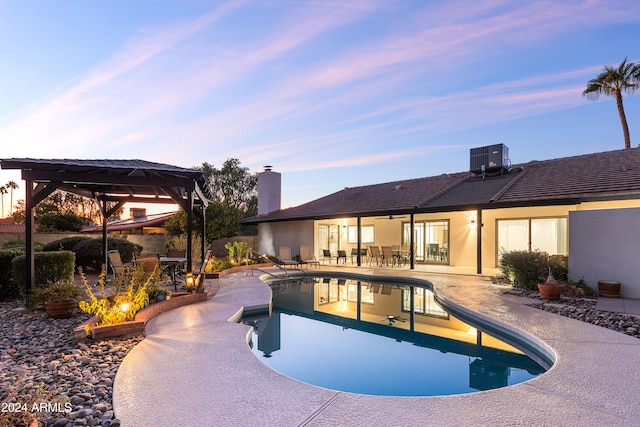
{"type": "Point", "coordinates": [195, 368]}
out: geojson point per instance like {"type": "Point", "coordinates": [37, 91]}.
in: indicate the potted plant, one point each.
{"type": "Point", "coordinates": [163, 294]}
{"type": "Point", "coordinates": [550, 289]}
{"type": "Point", "coordinates": [59, 299]}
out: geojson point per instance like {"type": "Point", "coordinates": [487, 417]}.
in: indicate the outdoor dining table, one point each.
{"type": "Point", "coordinates": [171, 264]}
{"type": "Point", "coordinates": [400, 254]}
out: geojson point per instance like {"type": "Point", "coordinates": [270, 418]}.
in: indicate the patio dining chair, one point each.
{"type": "Point", "coordinates": [387, 255]}
{"type": "Point", "coordinates": [375, 254]}
{"type": "Point", "coordinates": [326, 254]}
{"type": "Point", "coordinates": [342, 255]}
{"type": "Point", "coordinates": [115, 262]}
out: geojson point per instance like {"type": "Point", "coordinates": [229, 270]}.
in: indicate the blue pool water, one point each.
{"type": "Point", "coordinates": [380, 339]}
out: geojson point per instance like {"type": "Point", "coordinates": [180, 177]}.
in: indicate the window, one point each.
{"type": "Point", "coordinates": [423, 302]}
{"type": "Point", "coordinates": [533, 234]}
{"type": "Point", "coordinates": [366, 234]}
{"type": "Point", "coordinates": [431, 239]}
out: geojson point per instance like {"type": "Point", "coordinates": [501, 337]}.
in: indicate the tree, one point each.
{"type": "Point", "coordinates": [70, 210]}
{"type": "Point", "coordinates": [11, 185]}
{"type": "Point", "coordinates": [3, 191]}
{"type": "Point", "coordinates": [233, 191]}
{"type": "Point", "coordinates": [613, 82]}
{"type": "Point", "coordinates": [231, 185]}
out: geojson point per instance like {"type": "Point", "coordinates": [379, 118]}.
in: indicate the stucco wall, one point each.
{"type": "Point", "coordinates": [291, 234]}
{"type": "Point", "coordinates": [604, 245]}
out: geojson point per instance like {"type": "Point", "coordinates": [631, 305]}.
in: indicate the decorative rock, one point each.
{"type": "Point", "coordinates": [79, 374]}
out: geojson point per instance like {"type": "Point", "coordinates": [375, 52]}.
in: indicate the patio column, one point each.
{"type": "Point", "coordinates": [359, 219]}
{"type": "Point", "coordinates": [29, 246]}
{"type": "Point", "coordinates": [412, 253]}
{"type": "Point", "coordinates": [479, 241]}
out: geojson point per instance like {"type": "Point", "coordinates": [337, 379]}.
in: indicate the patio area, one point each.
{"type": "Point", "coordinates": [195, 368]}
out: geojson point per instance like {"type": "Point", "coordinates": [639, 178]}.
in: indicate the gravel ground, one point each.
{"type": "Point", "coordinates": [584, 309]}
{"type": "Point", "coordinates": [44, 373]}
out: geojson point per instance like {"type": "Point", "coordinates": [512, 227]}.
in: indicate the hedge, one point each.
{"type": "Point", "coordinates": [50, 267]}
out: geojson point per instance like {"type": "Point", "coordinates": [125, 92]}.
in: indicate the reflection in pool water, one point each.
{"type": "Point", "coordinates": [382, 339]}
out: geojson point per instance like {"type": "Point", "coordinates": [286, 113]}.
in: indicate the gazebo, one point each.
{"type": "Point", "coordinates": [111, 183]}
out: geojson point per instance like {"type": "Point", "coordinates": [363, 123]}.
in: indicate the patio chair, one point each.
{"type": "Point", "coordinates": [342, 255]}
{"type": "Point", "coordinates": [284, 256]}
{"type": "Point", "coordinates": [117, 266]}
{"type": "Point", "coordinates": [326, 253]}
{"type": "Point", "coordinates": [354, 254]}
{"type": "Point", "coordinates": [148, 262]}
{"type": "Point", "coordinates": [306, 257]}
{"type": "Point", "coordinates": [387, 255]}
{"type": "Point", "coordinates": [375, 254]}
{"type": "Point", "coordinates": [386, 289]}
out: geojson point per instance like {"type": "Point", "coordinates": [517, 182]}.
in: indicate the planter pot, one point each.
{"type": "Point", "coordinates": [60, 308]}
{"type": "Point", "coordinates": [550, 292]}
{"type": "Point", "coordinates": [609, 289]}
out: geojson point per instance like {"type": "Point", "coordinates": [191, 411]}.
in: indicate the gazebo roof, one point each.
{"type": "Point", "coordinates": [113, 180]}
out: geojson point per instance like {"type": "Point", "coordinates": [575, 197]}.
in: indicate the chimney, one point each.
{"type": "Point", "coordinates": [269, 185]}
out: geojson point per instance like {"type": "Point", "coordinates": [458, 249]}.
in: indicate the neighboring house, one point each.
{"type": "Point", "coordinates": [463, 221]}
{"type": "Point", "coordinates": [139, 223]}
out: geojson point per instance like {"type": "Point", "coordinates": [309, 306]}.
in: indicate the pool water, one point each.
{"type": "Point", "coordinates": [380, 339]}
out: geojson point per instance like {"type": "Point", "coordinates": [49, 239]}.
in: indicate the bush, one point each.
{"type": "Point", "coordinates": [8, 287]}
{"type": "Point", "coordinates": [524, 269]}
{"type": "Point", "coordinates": [559, 267]}
{"type": "Point", "coordinates": [56, 291]}
{"type": "Point", "coordinates": [65, 244]}
{"type": "Point", "coordinates": [90, 254]}
{"type": "Point", "coordinates": [50, 268]}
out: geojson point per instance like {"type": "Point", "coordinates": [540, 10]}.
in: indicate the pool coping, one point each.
{"type": "Point", "coordinates": [195, 368]}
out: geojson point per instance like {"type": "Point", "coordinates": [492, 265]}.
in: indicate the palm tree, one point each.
{"type": "Point", "coordinates": [12, 185]}
{"type": "Point", "coordinates": [613, 82]}
{"type": "Point", "coordinates": [3, 191]}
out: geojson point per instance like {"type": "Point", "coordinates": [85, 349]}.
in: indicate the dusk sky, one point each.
{"type": "Point", "coordinates": [331, 93]}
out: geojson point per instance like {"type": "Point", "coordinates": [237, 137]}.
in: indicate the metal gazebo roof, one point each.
{"type": "Point", "coordinates": [118, 181]}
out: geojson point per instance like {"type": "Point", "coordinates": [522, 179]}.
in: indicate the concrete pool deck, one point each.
{"type": "Point", "coordinates": [194, 368]}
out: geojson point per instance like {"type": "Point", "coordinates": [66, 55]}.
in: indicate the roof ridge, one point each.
{"type": "Point", "coordinates": [510, 184]}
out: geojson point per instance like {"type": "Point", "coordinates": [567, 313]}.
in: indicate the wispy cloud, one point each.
{"type": "Point", "coordinates": [307, 83]}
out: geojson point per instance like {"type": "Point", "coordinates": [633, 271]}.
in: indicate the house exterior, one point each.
{"type": "Point", "coordinates": [463, 221]}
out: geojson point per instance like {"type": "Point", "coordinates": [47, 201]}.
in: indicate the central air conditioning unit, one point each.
{"type": "Point", "coordinates": [492, 158]}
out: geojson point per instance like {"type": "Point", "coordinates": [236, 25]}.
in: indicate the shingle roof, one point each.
{"type": "Point", "coordinates": [133, 223]}
{"type": "Point", "coordinates": [607, 175]}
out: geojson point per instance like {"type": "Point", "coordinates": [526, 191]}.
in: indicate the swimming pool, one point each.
{"type": "Point", "coordinates": [380, 338]}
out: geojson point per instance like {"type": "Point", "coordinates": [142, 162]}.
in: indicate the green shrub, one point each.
{"type": "Point", "coordinates": [126, 301]}
{"type": "Point", "coordinates": [90, 254]}
{"type": "Point", "coordinates": [8, 287]}
{"type": "Point", "coordinates": [50, 267]}
{"type": "Point", "coordinates": [20, 244]}
{"type": "Point", "coordinates": [65, 244]}
{"type": "Point", "coordinates": [524, 269]}
{"type": "Point", "coordinates": [56, 291]}
{"type": "Point", "coordinates": [559, 267]}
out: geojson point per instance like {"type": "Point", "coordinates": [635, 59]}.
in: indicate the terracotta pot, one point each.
{"type": "Point", "coordinates": [609, 289]}
{"type": "Point", "coordinates": [60, 308]}
{"type": "Point", "coordinates": [550, 292]}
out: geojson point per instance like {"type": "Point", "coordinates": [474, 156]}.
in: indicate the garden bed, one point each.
{"type": "Point", "coordinates": [137, 326]}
